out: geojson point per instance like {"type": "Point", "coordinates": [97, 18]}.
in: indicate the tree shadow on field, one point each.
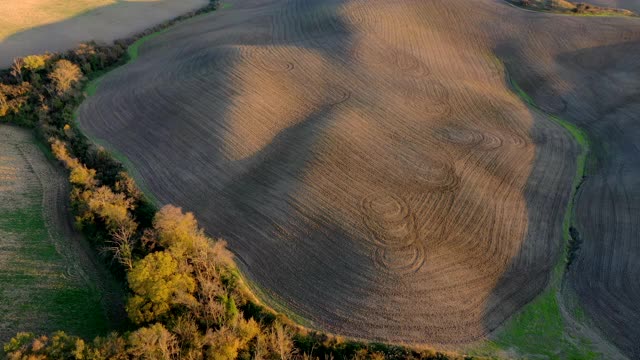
{"type": "Point", "coordinates": [605, 89]}
{"type": "Point", "coordinates": [530, 270]}
{"type": "Point", "coordinates": [193, 101]}
{"type": "Point", "coordinates": [103, 24]}
{"type": "Point", "coordinates": [602, 98]}
{"type": "Point", "coordinates": [294, 256]}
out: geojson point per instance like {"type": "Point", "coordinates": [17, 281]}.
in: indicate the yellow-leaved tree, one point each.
{"type": "Point", "coordinates": [154, 343]}
{"type": "Point", "coordinates": [159, 283]}
{"type": "Point", "coordinates": [64, 75]}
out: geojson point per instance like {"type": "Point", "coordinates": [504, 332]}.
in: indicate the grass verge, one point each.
{"type": "Point", "coordinates": [91, 87]}
{"type": "Point", "coordinates": [539, 329]}
{"type": "Point", "coordinates": [39, 290]}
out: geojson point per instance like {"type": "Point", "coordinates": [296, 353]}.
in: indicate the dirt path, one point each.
{"type": "Point", "coordinates": [30, 27]}
{"type": "Point", "coordinates": [366, 160]}
{"type": "Point", "coordinates": [45, 265]}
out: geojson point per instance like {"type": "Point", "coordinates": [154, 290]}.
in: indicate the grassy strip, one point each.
{"type": "Point", "coordinates": [583, 141]}
{"type": "Point", "coordinates": [539, 328]}
{"type": "Point", "coordinates": [90, 89]}
{"type": "Point", "coordinates": [37, 290]}
{"type": "Point", "coordinates": [37, 287]}
{"type": "Point", "coordinates": [134, 49]}
{"type": "Point", "coordinates": [270, 300]}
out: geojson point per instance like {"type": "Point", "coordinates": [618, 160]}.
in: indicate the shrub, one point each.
{"type": "Point", "coordinates": [112, 347]}
{"type": "Point", "coordinates": [19, 343]}
{"type": "Point", "coordinates": [34, 62]}
{"type": "Point", "coordinates": [4, 105]}
{"type": "Point", "coordinates": [14, 99]}
{"type": "Point", "coordinates": [154, 343]}
{"type": "Point", "coordinates": [58, 346]}
{"type": "Point", "coordinates": [64, 75]}
{"type": "Point", "coordinates": [159, 284]}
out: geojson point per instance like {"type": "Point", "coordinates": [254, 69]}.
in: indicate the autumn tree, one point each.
{"type": "Point", "coordinates": [159, 284]}
{"type": "Point", "coordinates": [61, 152]}
{"type": "Point", "coordinates": [154, 343]}
{"type": "Point", "coordinates": [16, 69]}
{"type": "Point", "coordinates": [112, 347]}
{"type": "Point", "coordinates": [34, 62]}
{"type": "Point", "coordinates": [18, 345]}
{"type": "Point", "coordinates": [126, 185]}
{"type": "Point", "coordinates": [4, 105]}
{"type": "Point", "coordinates": [64, 75]}
{"type": "Point", "coordinates": [13, 97]}
{"type": "Point", "coordinates": [58, 346]}
{"type": "Point", "coordinates": [114, 210]}
{"type": "Point", "coordinates": [83, 177]}
{"type": "Point", "coordinates": [188, 334]}
{"type": "Point", "coordinates": [178, 231]}
{"type": "Point", "coordinates": [63, 346]}
{"type": "Point", "coordinates": [209, 260]}
{"type": "Point", "coordinates": [91, 201]}
{"type": "Point", "coordinates": [112, 207]}
{"type": "Point", "coordinates": [223, 344]}
{"type": "Point", "coordinates": [280, 340]}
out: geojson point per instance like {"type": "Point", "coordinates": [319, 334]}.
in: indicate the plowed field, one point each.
{"type": "Point", "coordinates": [372, 168]}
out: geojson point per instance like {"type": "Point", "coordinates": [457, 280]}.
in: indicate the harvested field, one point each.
{"type": "Point", "coordinates": [34, 26]}
{"type": "Point", "coordinates": [49, 277]}
{"type": "Point", "coordinates": [369, 164]}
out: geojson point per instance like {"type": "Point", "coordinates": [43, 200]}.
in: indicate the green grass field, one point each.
{"type": "Point", "coordinates": [41, 288]}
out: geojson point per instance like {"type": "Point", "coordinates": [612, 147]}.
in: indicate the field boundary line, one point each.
{"type": "Point", "coordinates": [551, 300]}
{"type": "Point", "coordinates": [91, 86]}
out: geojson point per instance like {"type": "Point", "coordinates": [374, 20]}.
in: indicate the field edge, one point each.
{"type": "Point", "coordinates": [550, 311]}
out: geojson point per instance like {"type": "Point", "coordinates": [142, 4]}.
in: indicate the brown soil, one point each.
{"type": "Point", "coordinates": [370, 166]}
{"type": "Point", "coordinates": [34, 26]}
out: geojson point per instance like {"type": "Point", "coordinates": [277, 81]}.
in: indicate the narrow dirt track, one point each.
{"type": "Point", "coordinates": [366, 160]}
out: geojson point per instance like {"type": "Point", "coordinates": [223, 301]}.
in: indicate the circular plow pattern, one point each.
{"type": "Point", "coordinates": [368, 161]}
{"type": "Point", "coordinates": [394, 233]}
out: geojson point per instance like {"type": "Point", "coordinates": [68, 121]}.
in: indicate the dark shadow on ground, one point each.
{"type": "Point", "coordinates": [603, 99]}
